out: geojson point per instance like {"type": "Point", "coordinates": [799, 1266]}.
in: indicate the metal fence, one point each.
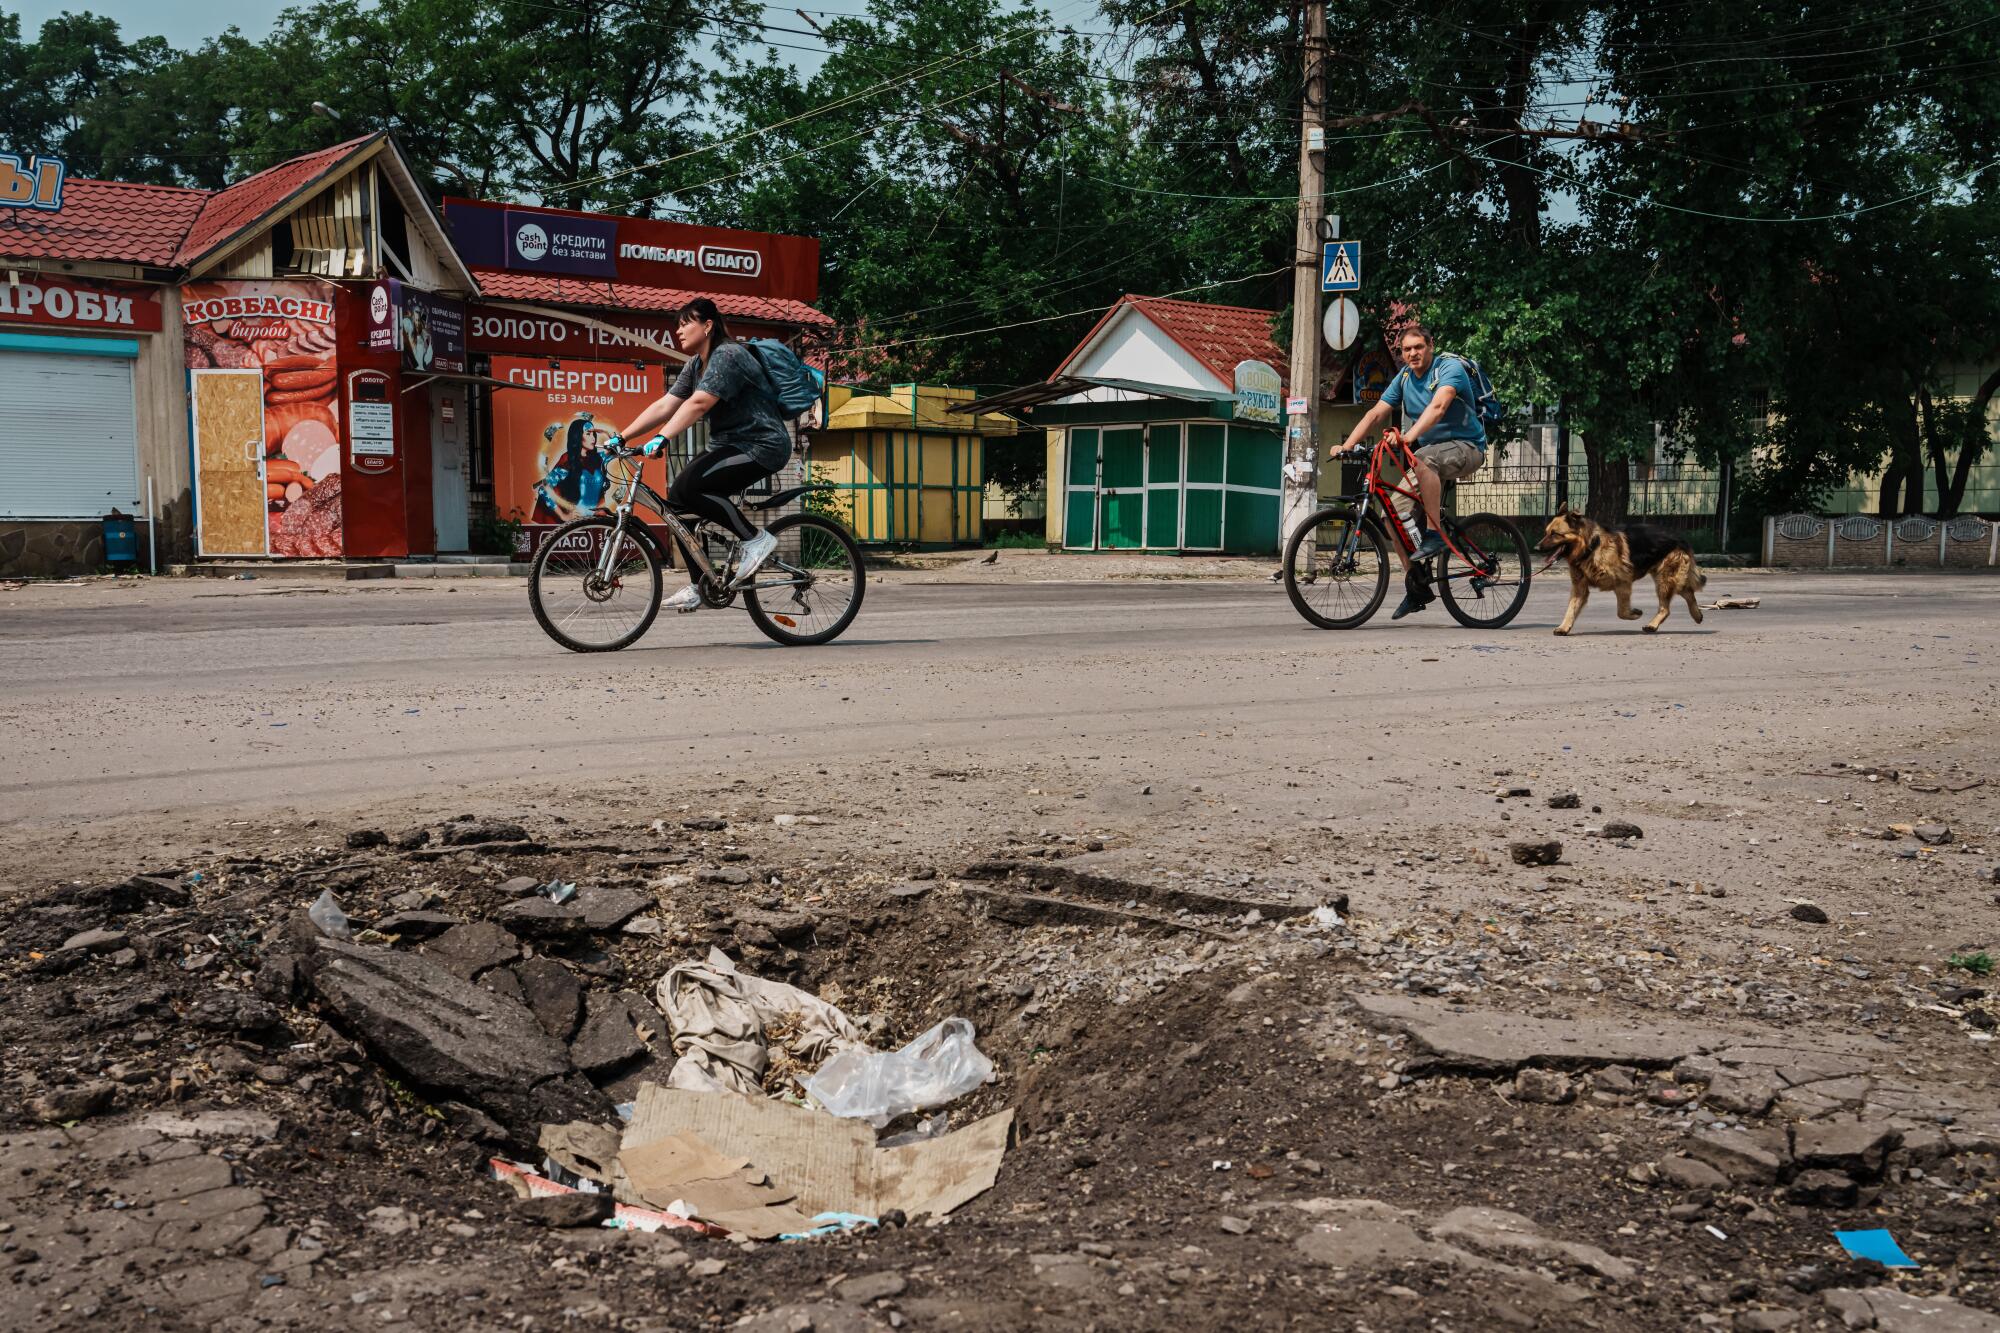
{"type": "Point", "coordinates": [1675, 495]}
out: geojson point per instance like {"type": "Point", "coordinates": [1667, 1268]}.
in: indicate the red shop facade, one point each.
{"type": "Point", "coordinates": [576, 313]}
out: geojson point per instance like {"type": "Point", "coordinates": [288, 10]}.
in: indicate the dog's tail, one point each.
{"type": "Point", "coordinates": [1700, 580]}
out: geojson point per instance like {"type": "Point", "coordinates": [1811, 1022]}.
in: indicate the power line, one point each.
{"type": "Point", "coordinates": [1736, 217]}
{"type": "Point", "coordinates": [1050, 319]}
{"type": "Point", "coordinates": [927, 70]}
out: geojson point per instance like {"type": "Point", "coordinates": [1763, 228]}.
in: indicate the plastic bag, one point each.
{"type": "Point", "coordinates": [877, 1086]}
{"type": "Point", "coordinates": [326, 914]}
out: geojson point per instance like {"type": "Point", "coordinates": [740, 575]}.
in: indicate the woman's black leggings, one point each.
{"type": "Point", "coordinates": [704, 485]}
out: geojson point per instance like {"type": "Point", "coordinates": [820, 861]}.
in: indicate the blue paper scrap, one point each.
{"type": "Point", "coordinates": [1877, 1245]}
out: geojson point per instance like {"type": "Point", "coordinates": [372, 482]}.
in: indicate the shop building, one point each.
{"type": "Point", "coordinates": [905, 467]}
{"type": "Point", "coordinates": [90, 365]}
{"type": "Point", "coordinates": [323, 308]}
{"type": "Point", "coordinates": [1165, 430]}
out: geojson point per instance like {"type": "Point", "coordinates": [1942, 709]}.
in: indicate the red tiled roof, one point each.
{"type": "Point", "coordinates": [110, 221]}
{"type": "Point", "coordinates": [633, 296]}
{"type": "Point", "coordinates": [230, 211]}
{"type": "Point", "coordinates": [1219, 336]}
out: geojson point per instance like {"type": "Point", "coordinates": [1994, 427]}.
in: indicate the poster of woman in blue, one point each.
{"type": "Point", "coordinates": [575, 482]}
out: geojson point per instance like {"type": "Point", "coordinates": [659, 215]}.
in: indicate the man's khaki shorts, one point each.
{"type": "Point", "coordinates": [1453, 459]}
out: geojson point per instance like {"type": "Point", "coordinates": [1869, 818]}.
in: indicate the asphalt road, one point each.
{"type": "Point", "coordinates": [178, 697]}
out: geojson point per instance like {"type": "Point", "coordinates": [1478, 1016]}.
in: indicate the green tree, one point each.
{"type": "Point", "coordinates": [962, 164]}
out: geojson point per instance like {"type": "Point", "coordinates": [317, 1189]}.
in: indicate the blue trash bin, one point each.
{"type": "Point", "coordinates": [121, 540]}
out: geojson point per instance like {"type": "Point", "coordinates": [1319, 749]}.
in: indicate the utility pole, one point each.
{"type": "Point", "coordinates": [1301, 475]}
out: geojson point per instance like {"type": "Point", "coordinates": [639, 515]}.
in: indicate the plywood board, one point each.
{"type": "Point", "coordinates": [228, 413]}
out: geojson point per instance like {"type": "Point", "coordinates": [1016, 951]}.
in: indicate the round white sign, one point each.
{"type": "Point", "coordinates": [378, 305]}
{"type": "Point", "coordinates": [1342, 324]}
{"type": "Point", "coordinates": [531, 242]}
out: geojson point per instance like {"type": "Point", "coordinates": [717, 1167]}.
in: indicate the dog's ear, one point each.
{"type": "Point", "coordinates": [1561, 509]}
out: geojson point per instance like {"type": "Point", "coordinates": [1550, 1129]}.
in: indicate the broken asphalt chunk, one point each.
{"type": "Point", "coordinates": [466, 951]}
{"type": "Point", "coordinates": [449, 1036]}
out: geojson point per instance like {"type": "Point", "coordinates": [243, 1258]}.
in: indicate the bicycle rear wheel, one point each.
{"type": "Point", "coordinates": [1490, 591]}
{"type": "Point", "coordinates": [811, 589]}
{"type": "Point", "coordinates": [582, 610]}
{"type": "Point", "coordinates": [1337, 571]}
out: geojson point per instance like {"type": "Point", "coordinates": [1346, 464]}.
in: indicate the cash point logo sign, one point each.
{"type": "Point", "coordinates": [531, 243]}
{"type": "Point", "coordinates": [726, 261]}
{"type": "Point", "coordinates": [378, 304]}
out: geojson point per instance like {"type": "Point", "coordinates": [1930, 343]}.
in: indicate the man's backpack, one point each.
{"type": "Point", "coordinates": [1486, 404]}
{"type": "Point", "coordinates": [794, 386]}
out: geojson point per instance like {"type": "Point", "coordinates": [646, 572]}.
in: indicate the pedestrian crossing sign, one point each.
{"type": "Point", "coordinates": [1340, 266]}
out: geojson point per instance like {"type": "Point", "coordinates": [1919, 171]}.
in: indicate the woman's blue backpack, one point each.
{"type": "Point", "coordinates": [794, 386]}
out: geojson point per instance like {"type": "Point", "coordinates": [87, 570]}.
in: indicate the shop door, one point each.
{"type": "Point", "coordinates": [1203, 503]}
{"type": "Point", "coordinates": [231, 509]}
{"type": "Point", "coordinates": [451, 491]}
{"type": "Point", "coordinates": [1080, 492]}
{"type": "Point", "coordinates": [1163, 487]}
{"type": "Point", "coordinates": [1121, 491]}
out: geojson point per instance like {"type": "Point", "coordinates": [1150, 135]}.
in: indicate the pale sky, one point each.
{"type": "Point", "coordinates": [188, 22]}
{"type": "Point", "coordinates": [182, 22]}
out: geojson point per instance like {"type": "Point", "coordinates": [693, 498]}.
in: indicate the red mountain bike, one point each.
{"type": "Point", "coordinates": [1337, 562]}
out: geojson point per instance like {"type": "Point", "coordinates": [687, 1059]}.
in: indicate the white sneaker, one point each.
{"type": "Point", "coordinates": [686, 600]}
{"type": "Point", "coordinates": [750, 557]}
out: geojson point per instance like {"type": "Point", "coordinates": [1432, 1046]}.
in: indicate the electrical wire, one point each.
{"type": "Point", "coordinates": [928, 70]}
{"type": "Point", "coordinates": [1050, 319]}
{"type": "Point", "coordinates": [1844, 213]}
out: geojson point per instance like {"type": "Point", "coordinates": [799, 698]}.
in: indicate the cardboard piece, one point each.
{"type": "Point", "coordinates": [583, 1149]}
{"type": "Point", "coordinates": [825, 1163]}
{"type": "Point", "coordinates": [682, 1172]}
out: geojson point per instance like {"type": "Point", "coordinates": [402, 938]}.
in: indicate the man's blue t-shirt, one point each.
{"type": "Point", "coordinates": [1413, 395]}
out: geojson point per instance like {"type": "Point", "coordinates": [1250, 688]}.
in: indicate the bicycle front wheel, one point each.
{"type": "Point", "coordinates": [1490, 590]}
{"type": "Point", "coordinates": [1337, 570]}
{"type": "Point", "coordinates": [581, 608]}
{"type": "Point", "coordinates": [810, 590]}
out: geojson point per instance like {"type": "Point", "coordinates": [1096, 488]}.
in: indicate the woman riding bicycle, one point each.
{"type": "Point", "coordinates": [724, 382]}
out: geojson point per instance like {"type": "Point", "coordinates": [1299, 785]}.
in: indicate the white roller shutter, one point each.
{"type": "Point", "coordinates": [69, 441]}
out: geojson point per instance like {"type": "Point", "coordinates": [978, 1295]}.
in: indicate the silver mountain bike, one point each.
{"type": "Point", "coordinates": [596, 583]}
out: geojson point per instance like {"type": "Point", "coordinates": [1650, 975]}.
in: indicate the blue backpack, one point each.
{"type": "Point", "coordinates": [1486, 404]}
{"type": "Point", "coordinates": [794, 386]}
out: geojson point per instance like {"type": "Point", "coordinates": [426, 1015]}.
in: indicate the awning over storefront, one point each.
{"type": "Point", "coordinates": [1068, 386]}
{"type": "Point", "coordinates": [460, 377]}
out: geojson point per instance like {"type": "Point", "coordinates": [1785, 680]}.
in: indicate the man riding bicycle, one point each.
{"type": "Point", "coordinates": [1435, 399]}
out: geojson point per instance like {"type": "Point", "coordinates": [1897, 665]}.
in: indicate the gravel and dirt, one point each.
{"type": "Point", "coordinates": [1292, 1035]}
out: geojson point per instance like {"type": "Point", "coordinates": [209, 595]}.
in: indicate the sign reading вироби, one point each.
{"type": "Point", "coordinates": [31, 182]}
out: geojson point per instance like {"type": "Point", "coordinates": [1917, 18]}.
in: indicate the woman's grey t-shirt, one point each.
{"type": "Point", "coordinates": [743, 416]}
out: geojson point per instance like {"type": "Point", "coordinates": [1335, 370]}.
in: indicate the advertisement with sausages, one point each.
{"type": "Point", "coordinates": [285, 331]}
{"type": "Point", "coordinates": [547, 462]}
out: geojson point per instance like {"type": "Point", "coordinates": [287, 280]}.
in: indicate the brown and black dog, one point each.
{"type": "Point", "coordinates": [1613, 559]}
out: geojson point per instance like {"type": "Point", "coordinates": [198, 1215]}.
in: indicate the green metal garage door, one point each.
{"type": "Point", "coordinates": [1080, 500]}
{"type": "Point", "coordinates": [1121, 489]}
{"type": "Point", "coordinates": [1250, 504]}
{"type": "Point", "coordinates": [1163, 487]}
{"type": "Point", "coordinates": [1205, 447]}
